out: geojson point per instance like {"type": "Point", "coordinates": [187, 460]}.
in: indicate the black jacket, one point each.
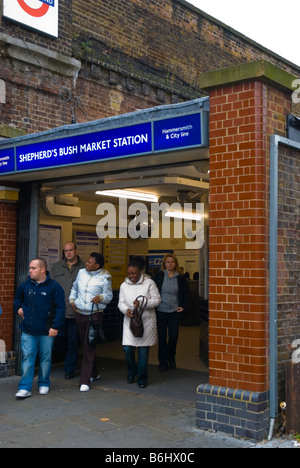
{"type": "Point", "coordinates": [183, 290]}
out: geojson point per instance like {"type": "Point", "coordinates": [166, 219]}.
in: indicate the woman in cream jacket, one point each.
{"type": "Point", "coordinates": [137, 284]}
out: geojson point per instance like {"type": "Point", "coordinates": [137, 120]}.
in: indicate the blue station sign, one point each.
{"type": "Point", "coordinates": [86, 148]}
{"type": "Point", "coordinates": [176, 133]}
{"type": "Point", "coordinates": [7, 161]}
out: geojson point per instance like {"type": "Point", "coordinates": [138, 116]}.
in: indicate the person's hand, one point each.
{"type": "Point", "coordinates": [180, 309]}
{"type": "Point", "coordinates": [72, 304]}
{"type": "Point", "coordinates": [21, 313]}
{"type": "Point", "coordinates": [96, 300]}
{"type": "Point", "coordinates": [136, 304]}
{"type": "Point", "coordinates": [53, 333]}
{"type": "Point", "coordinates": [129, 313]}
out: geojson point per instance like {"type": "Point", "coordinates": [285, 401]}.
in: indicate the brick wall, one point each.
{"type": "Point", "coordinates": [160, 37]}
{"type": "Point", "coordinates": [161, 47]}
{"type": "Point", "coordinates": [278, 106]}
{"type": "Point", "coordinates": [8, 220]}
{"type": "Point", "coordinates": [288, 259]}
{"type": "Point", "coordinates": [242, 117]}
{"type": "Point", "coordinates": [34, 98]}
{"type": "Point", "coordinates": [134, 55]}
{"type": "Point", "coordinates": [235, 412]}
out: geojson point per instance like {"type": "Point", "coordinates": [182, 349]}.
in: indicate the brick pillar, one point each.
{"type": "Point", "coordinates": [242, 117]}
{"type": "Point", "coordinates": [8, 226]}
{"type": "Point", "coordinates": [238, 240]}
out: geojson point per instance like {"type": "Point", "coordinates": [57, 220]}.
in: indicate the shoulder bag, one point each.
{"type": "Point", "coordinates": [136, 323]}
{"type": "Point", "coordinates": [96, 334]}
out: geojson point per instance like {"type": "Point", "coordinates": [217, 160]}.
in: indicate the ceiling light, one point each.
{"type": "Point", "coordinates": [183, 215]}
{"type": "Point", "coordinates": [141, 196]}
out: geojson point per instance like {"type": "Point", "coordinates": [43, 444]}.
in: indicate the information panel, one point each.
{"type": "Point", "coordinates": [178, 132]}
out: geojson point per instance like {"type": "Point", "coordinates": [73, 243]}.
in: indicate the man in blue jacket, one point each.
{"type": "Point", "coordinates": [40, 302]}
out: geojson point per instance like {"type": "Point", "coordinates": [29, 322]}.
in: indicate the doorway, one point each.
{"type": "Point", "coordinates": [74, 208]}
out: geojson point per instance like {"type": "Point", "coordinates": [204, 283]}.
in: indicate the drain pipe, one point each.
{"type": "Point", "coordinates": [273, 254]}
{"type": "Point", "coordinates": [275, 141]}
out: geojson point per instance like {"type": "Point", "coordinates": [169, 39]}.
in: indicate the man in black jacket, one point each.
{"type": "Point", "coordinates": [65, 273]}
{"type": "Point", "coordinates": [40, 302]}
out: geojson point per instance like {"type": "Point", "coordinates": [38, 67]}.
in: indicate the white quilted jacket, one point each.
{"type": "Point", "coordinates": [128, 294]}
{"type": "Point", "coordinates": [89, 284]}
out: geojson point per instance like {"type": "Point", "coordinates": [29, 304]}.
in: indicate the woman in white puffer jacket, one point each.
{"type": "Point", "coordinates": [90, 294]}
{"type": "Point", "coordinates": [137, 284]}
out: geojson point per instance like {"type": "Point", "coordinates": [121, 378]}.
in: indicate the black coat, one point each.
{"type": "Point", "coordinates": [183, 290]}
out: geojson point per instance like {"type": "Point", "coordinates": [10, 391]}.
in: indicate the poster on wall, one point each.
{"type": "Point", "coordinates": [116, 260]}
{"type": "Point", "coordinates": [50, 244]}
{"type": "Point", "coordinates": [87, 242]}
{"type": "Point", "coordinates": [41, 15]}
{"type": "Point", "coordinates": [155, 259]}
{"type": "Point", "coordinates": [188, 261]}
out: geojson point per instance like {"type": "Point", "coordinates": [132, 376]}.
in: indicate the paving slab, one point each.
{"type": "Point", "coordinates": [112, 415]}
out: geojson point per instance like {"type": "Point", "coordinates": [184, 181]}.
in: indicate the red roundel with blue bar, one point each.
{"type": "Point", "coordinates": [36, 12]}
{"type": "Point", "coordinates": [40, 15]}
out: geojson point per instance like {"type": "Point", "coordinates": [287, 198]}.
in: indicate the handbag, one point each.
{"type": "Point", "coordinates": [96, 334]}
{"type": "Point", "coordinates": [136, 322]}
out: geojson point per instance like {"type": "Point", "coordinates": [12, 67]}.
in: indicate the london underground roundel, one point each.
{"type": "Point", "coordinates": [41, 15]}
{"type": "Point", "coordinates": [35, 12]}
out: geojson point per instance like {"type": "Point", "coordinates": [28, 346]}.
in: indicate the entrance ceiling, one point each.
{"type": "Point", "coordinates": [165, 182]}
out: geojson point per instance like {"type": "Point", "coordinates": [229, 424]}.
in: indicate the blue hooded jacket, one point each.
{"type": "Point", "coordinates": [43, 305]}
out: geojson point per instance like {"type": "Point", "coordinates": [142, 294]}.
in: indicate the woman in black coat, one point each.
{"type": "Point", "coordinates": [174, 291]}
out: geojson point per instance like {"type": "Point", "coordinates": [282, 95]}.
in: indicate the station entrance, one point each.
{"type": "Point", "coordinates": [76, 210]}
{"type": "Point", "coordinates": [240, 148]}
{"type": "Point", "coordinates": [157, 160]}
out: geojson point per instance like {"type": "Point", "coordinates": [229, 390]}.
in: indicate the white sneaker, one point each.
{"type": "Point", "coordinates": [84, 388]}
{"type": "Point", "coordinates": [43, 390]}
{"type": "Point", "coordinates": [23, 394]}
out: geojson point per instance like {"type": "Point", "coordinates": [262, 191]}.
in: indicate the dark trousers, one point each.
{"type": "Point", "coordinates": [89, 366]}
{"type": "Point", "coordinates": [141, 369]}
{"type": "Point", "coordinates": [71, 345]}
{"type": "Point", "coordinates": [66, 346]}
{"type": "Point", "coordinates": [168, 332]}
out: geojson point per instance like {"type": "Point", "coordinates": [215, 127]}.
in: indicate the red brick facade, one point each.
{"type": "Point", "coordinates": [134, 55]}
{"type": "Point", "coordinates": [8, 226]}
{"type": "Point", "coordinates": [242, 117]}
{"type": "Point", "coordinates": [288, 260]}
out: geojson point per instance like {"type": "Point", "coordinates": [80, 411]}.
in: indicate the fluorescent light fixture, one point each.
{"type": "Point", "coordinates": [183, 215]}
{"type": "Point", "coordinates": [141, 196]}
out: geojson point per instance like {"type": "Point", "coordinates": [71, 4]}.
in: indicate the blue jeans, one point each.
{"type": "Point", "coordinates": [141, 369]}
{"type": "Point", "coordinates": [31, 346]}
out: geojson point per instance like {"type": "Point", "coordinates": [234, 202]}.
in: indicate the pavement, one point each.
{"type": "Point", "coordinates": [113, 414]}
